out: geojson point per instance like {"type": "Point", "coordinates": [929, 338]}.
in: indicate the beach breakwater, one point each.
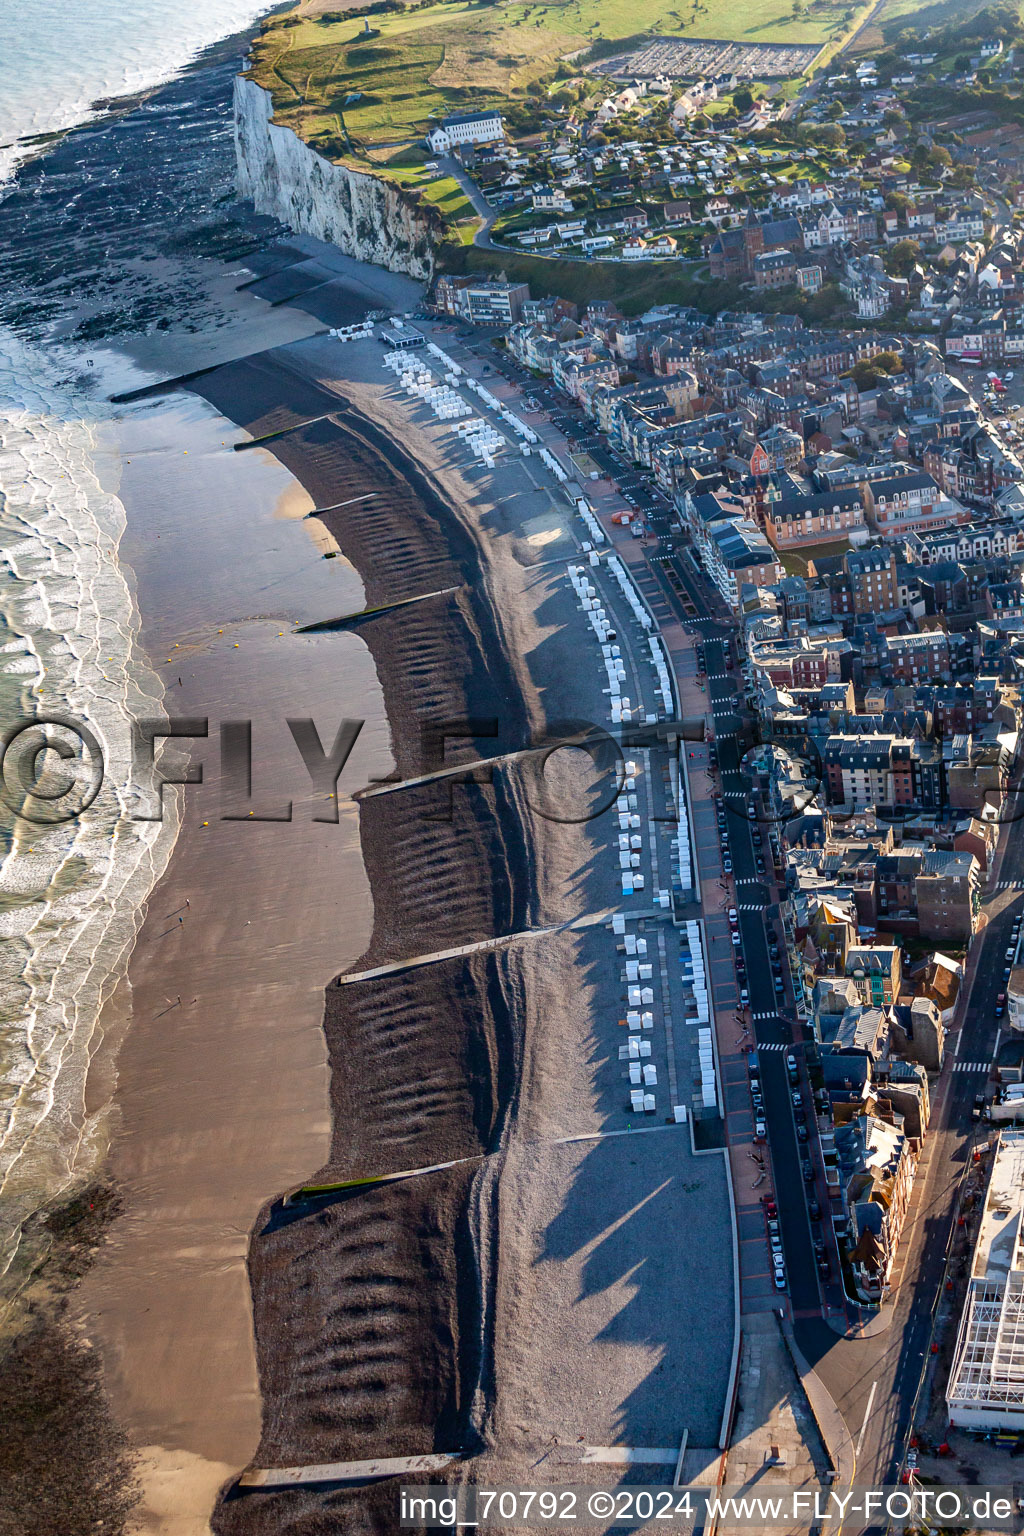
{"type": "Point", "coordinates": [364, 216]}
{"type": "Point", "coordinates": [370, 1308]}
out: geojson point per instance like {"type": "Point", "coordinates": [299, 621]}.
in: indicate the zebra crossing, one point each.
{"type": "Point", "coordinates": [972, 1066]}
{"type": "Point", "coordinates": [1008, 885]}
{"type": "Point", "coordinates": [771, 1045]}
{"type": "Point", "coordinates": [760, 1018]}
{"type": "Point", "coordinates": [750, 906]}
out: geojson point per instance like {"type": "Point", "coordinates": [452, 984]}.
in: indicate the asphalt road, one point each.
{"type": "Point", "coordinates": [788, 1157]}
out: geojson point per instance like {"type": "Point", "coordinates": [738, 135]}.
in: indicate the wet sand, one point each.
{"type": "Point", "coordinates": [223, 1098]}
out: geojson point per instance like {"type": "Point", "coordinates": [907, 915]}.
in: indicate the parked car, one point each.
{"type": "Point", "coordinates": [733, 917]}
{"type": "Point", "coordinates": [727, 865]}
{"type": "Point", "coordinates": [806, 1168]}
{"type": "Point", "coordinates": [737, 941]}
{"type": "Point", "coordinates": [801, 1133]}
{"type": "Point", "coordinates": [760, 1130]}
{"type": "Point", "coordinates": [813, 1208]}
{"type": "Point", "coordinates": [1000, 1005]}
{"type": "Point", "coordinates": [791, 1067]}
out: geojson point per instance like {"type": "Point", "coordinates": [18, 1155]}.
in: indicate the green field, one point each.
{"type": "Point", "coordinates": [458, 55]}
{"type": "Point", "coordinates": [895, 15]}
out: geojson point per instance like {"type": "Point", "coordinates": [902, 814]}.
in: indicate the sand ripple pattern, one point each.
{"type": "Point", "coordinates": [368, 1311]}
{"type": "Point", "coordinates": [71, 895]}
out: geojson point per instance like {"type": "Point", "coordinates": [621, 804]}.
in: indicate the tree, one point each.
{"type": "Point", "coordinates": [940, 158]}
{"type": "Point", "coordinates": [864, 375]}
{"type": "Point", "coordinates": [961, 63]}
{"type": "Point", "coordinates": [835, 111]}
{"type": "Point", "coordinates": [742, 99]}
{"type": "Point", "coordinates": [901, 258]}
{"type": "Point", "coordinates": [892, 119]}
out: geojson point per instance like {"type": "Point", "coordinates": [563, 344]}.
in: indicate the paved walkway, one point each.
{"type": "Point", "coordinates": [776, 1438]}
{"type": "Point", "coordinates": [749, 1163]}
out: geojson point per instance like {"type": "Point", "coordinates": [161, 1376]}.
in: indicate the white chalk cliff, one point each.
{"type": "Point", "coordinates": [364, 216]}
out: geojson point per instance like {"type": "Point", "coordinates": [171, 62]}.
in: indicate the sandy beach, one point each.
{"type": "Point", "coordinates": [449, 1295]}
{"type": "Point", "coordinates": [422, 1315]}
{"type": "Point", "coordinates": [222, 1097]}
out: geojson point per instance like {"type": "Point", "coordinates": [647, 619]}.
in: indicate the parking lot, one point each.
{"type": "Point", "coordinates": [1002, 410]}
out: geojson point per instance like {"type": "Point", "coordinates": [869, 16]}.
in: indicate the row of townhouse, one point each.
{"type": "Point", "coordinates": [915, 890]}
{"type": "Point", "coordinates": [973, 542]}
{"type": "Point", "coordinates": [984, 339]}
{"type": "Point", "coordinates": [974, 467]}
{"type": "Point", "coordinates": [733, 252]}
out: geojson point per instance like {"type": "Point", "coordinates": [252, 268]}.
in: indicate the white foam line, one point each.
{"type": "Point", "coordinates": [73, 892]}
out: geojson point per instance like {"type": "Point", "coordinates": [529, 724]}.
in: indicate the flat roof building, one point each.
{"type": "Point", "coordinates": [402, 339]}
{"type": "Point", "coordinates": [986, 1383]}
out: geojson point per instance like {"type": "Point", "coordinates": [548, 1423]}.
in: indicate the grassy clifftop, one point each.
{"type": "Point", "coordinates": [358, 94]}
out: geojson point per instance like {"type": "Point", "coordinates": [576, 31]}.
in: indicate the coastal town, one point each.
{"type": "Point", "coordinates": [852, 498]}
{"type": "Point", "coordinates": [603, 1067]}
{"type": "Point", "coordinates": [873, 194]}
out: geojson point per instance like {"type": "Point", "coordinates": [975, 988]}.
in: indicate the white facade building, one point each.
{"type": "Point", "coordinates": [986, 1383]}
{"type": "Point", "coordinates": [467, 128]}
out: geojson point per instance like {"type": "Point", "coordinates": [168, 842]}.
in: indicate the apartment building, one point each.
{"type": "Point", "coordinates": [877, 1162]}
{"type": "Point", "coordinates": [948, 896]}
{"type": "Point", "coordinates": [908, 503]}
{"type": "Point", "coordinates": [464, 129]}
{"type": "Point", "coordinates": [986, 1381]}
{"type": "Point", "coordinates": [791, 521]}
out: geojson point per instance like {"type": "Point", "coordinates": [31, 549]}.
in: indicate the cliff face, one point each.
{"type": "Point", "coordinates": [365, 217]}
